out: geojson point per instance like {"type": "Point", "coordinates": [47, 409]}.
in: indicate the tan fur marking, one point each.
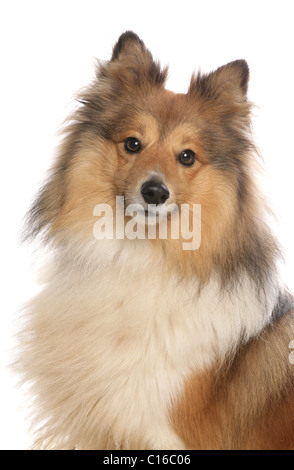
{"type": "Point", "coordinates": [246, 404]}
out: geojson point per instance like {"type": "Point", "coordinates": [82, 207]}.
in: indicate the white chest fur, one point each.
{"type": "Point", "coordinates": [112, 348]}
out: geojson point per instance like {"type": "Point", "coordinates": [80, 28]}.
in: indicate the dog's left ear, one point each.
{"type": "Point", "coordinates": [229, 82]}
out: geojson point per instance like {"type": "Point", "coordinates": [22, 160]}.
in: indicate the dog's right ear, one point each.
{"type": "Point", "coordinates": [132, 64]}
{"type": "Point", "coordinates": [125, 45]}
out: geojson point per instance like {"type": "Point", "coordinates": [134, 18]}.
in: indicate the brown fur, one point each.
{"type": "Point", "coordinates": [245, 401]}
{"type": "Point", "coordinates": [246, 404]}
{"type": "Point", "coordinates": [213, 118]}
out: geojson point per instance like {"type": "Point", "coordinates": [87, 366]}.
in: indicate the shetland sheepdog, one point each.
{"type": "Point", "coordinates": [137, 342]}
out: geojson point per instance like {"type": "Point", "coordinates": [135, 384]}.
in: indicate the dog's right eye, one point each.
{"type": "Point", "coordinates": [132, 145]}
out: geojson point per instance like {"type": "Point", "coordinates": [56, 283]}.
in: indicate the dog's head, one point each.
{"type": "Point", "coordinates": [130, 137]}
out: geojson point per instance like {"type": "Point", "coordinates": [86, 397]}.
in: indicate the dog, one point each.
{"type": "Point", "coordinates": [140, 342]}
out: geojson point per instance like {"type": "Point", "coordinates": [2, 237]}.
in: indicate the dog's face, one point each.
{"type": "Point", "coordinates": [133, 138]}
{"type": "Point", "coordinates": [158, 153]}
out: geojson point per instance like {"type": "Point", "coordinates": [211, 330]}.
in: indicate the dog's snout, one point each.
{"type": "Point", "coordinates": [154, 192]}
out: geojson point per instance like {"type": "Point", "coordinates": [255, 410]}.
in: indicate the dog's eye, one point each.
{"type": "Point", "coordinates": [187, 157]}
{"type": "Point", "coordinates": [132, 145]}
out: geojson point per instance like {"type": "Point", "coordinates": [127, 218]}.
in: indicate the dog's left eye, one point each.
{"type": "Point", "coordinates": [187, 157]}
{"type": "Point", "coordinates": [132, 145]}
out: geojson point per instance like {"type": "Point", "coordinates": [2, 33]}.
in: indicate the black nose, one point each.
{"type": "Point", "coordinates": [154, 192]}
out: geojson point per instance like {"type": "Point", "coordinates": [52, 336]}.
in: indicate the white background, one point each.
{"type": "Point", "coordinates": [47, 54]}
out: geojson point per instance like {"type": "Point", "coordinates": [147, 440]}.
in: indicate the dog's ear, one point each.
{"type": "Point", "coordinates": [132, 64]}
{"type": "Point", "coordinates": [127, 43]}
{"type": "Point", "coordinates": [227, 83]}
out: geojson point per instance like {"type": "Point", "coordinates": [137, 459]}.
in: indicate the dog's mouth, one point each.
{"type": "Point", "coordinates": [148, 213]}
{"type": "Point", "coordinates": [151, 213]}
{"type": "Point", "coordinates": [154, 214]}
